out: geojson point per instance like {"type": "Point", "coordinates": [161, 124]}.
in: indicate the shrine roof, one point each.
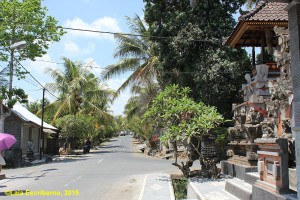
{"type": "Point", "coordinates": [266, 11]}
{"type": "Point", "coordinates": [251, 26]}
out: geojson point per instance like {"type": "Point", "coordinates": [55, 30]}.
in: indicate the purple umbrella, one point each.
{"type": "Point", "coordinates": [6, 141]}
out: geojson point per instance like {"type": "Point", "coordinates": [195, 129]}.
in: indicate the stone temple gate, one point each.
{"type": "Point", "coordinates": [261, 140]}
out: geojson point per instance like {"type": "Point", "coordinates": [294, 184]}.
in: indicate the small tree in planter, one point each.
{"type": "Point", "coordinates": [183, 121]}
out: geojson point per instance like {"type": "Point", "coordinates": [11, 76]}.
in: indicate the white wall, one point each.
{"type": "Point", "coordinates": [35, 138]}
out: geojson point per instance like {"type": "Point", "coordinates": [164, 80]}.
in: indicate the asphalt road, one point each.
{"type": "Point", "coordinates": [115, 172]}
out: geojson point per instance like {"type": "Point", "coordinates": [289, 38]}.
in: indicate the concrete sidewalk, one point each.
{"type": "Point", "coordinates": [208, 189]}
{"type": "Point", "coordinates": [157, 187]}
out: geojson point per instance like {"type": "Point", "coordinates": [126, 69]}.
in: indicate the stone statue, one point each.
{"type": "Point", "coordinates": [268, 130]}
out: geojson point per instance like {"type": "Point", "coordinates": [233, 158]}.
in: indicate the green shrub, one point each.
{"type": "Point", "coordinates": [180, 188]}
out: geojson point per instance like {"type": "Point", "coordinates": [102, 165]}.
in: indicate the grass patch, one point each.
{"type": "Point", "coordinates": [180, 187]}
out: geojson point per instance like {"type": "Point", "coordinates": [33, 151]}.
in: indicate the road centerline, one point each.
{"type": "Point", "coordinates": [77, 178]}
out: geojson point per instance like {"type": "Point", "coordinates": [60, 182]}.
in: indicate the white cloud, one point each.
{"type": "Point", "coordinates": [41, 64]}
{"type": "Point", "coordinates": [101, 24]}
{"type": "Point", "coordinates": [71, 48]}
{"type": "Point", "coordinates": [89, 48]}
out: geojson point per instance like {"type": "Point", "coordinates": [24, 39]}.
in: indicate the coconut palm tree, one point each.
{"type": "Point", "coordinates": [78, 90]}
{"type": "Point", "coordinates": [136, 53]}
{"type": "Point", "coordinates": [144, 93]}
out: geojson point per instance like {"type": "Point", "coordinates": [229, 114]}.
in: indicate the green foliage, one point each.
{"type": "Point", "coordinates": [180, 187]}
{"type": "Point", "coordinates": [75, 128]}
{"type": "Point", "coordinates": [17, 95]}
{"type": "Point", "coordinates": [142, 96]}
{"type": "Point", "coordinates": [136, 54]}
{"type": "Point", "coordinates": [180, 116]}
{"type": "Point", "coordinates": [24, 20]}
{"type": "Point", "coordinates": [182, 120]}
{"type": "Point", "coordinates": [36, 106]}
{"type": "Point", "coordinates": [140, 128]}
{"type": "Point", "coordinates": [27, 20]}
{"type": "Point", "coordinates": [267, 58]}
{"type": "Point", "coordinates": [221, 142]}
{"type": "Point", "coordinates": [79, 91]}
{"type": "Point", "coordinates": [193, 55]}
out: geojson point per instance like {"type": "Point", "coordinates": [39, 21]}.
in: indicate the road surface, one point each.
{"type": "Point", "coordinates": [115, 172]}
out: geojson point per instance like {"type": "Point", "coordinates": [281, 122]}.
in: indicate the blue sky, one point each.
{"type": "Point", "coordinates": [102, 15]}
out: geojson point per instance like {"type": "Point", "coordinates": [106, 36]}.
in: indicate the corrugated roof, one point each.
{"type": "Point", "coordinates": [27, 116]}
{"type": "Point", "coordinates": [267, 11]}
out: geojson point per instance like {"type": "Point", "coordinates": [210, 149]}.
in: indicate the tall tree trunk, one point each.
{"type": "Point", "coordinates": [3, 116]}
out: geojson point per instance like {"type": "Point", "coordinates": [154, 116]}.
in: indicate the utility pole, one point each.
{"type": "Point", "coordinates": [42, 125]}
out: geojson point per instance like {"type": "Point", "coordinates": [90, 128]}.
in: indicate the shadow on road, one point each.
{"type": "Point", "coordinates": [112, 146]}
{"type": "Point", "coordinates": [68, 159]}
{"type": "Point", "coordinates": [46, 170]}
{"type": "Point", "coordinates": [102, 152]}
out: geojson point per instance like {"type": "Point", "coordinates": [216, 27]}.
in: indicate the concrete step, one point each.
{"type": "Point", "coordinates": [251, 177]}
{"type": "Point", "coordinates": [265, 190]}
{"type": "Point", "coordinates": [239, 188]}
{"type": "Point", "coordinates": [208, 190]}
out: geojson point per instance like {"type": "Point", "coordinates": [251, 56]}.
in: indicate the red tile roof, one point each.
{"type": "Point", "coordinates": [267, 11]}
{"type": "Point", "coordinates": [251, 25]}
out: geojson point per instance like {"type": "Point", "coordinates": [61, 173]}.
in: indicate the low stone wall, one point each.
{"type": "Point", "coordinates": [236, 170]}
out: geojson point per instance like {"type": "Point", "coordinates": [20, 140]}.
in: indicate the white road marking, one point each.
{"type": "Point", "coordinates": [72, 181]}
{"type": "Point", "coordinates": [100, 160]}
{"type": "Point", "coordinates": [143, 188]}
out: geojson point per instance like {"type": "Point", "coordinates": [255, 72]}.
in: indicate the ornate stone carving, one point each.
{"type": "Point", "coordinates": [268, 130]}
{"type": "Point", "coordinates": [282, 54]}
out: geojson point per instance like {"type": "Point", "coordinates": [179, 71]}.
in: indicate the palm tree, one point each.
{"type": "Point", "coordinates": [79, 91]}
{"type": "Point", "coordinates": [136, 53]}
{"type": "Point", "coordinates": [144, 93]}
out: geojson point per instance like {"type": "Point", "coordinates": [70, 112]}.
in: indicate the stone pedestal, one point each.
{"type": "Point", "coordinates": [296, 133]}
{"type": "Point", "coordinates": [273, 164]}
{"type": "Point", "coordinates": [263, 190]}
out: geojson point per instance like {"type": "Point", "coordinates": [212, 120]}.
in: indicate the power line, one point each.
{"type": "Point", "coordinates": [35, 79]}
{"type": "Point", "coordinates": [115, 33]}
{"type": "Point", "coordinates": [110, 32]}
{"type": "Point", "coordinates": [127, 34]}
{"type": "Point", "coordinates": [30, 82]}
{"type": "Point", "coordinates": [54, 62]}
{"type": "Point", "coordinates": [52, 94]}
{"type": "Point", "coordinates": [49, 61]}
{"type": "Point", "coordinates": [29, 73]}
{"type": "Point", "coordinates": [34, 90]}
